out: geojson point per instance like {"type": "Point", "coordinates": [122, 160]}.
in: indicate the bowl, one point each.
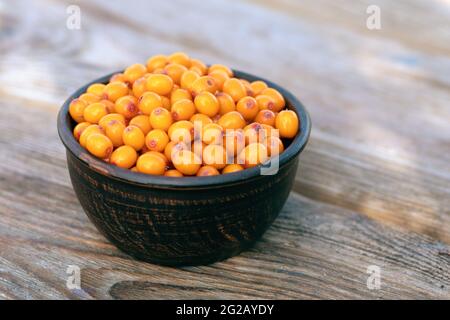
{"type": "Point", "coordinates": [181, 221]}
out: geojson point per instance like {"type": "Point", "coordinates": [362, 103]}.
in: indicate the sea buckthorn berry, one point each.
{"type": "Point", "coordinates": [188, 78]}
{"type": "Point", "coordinates": [93, 128]}
{"type": "Point", "coordinates": [114, 131]}
{"type": "Point", "coordinates": [160, 155]}
{"type": "Point", "coordinates": [115, 90]}
{"type": "Point", "coordinates": [139, 87]}
{"type": "Point", "coordinates": [141, 121]}
{"type": "Point", "coordinates": [134, 72]}
{"type": "Point", "coordinates": [110, 106]}
{"type": "Point", "coordinates": [134, 137]}
{"type": "Point", "coordinates": [212, 133]}
{"type": "Point", "coordinates": [266, 117]}
{"type": "Point", "coordinates": [155, 62]}
{"type": "Point", "coordinates": [248, 107]}
{"type": "Point", "coordinates": [173, 147]}
{"type": "Point", "coordinates": [287, 123]}
{"type": "Point", "coordinates": [124, 157]}
{"type": "Point", "coordinates": [76, 110]}
{"type": "Point", "coordinates": [156, 140]}
{"type": "Point", "coordinates": [220, 77]}
{"type": "Point", "coordinates": [119, 77]}
{"type": "Point", "coordinates": [195, 63]}
{"type": "Point", "coordinates": [127, 106]}
{"type": "Point", "coordinates": [258, 86]}
{"type": "Point", "coordinates": [215, 155]}
{"type": "Point", "coordinates": [226, 103]}
{"type": "Point", "coordinates": [89, 98]}
{"type": "Point", "coordinates": [97, 89]}
{"type": "Point", "coordinates": [196, 70]}
{"type": "Point", "coordinates": [227, 70]}
{"type": "Point", "coordinates": [248, 88]}
{"type": "Point", "coordinates": [161, 118]}
{"type": "Point", "coordinates": [112, 116]}
{"type": "Point", "coordinates": [79, 128]}
{"type": "Point", "coordinates": [274, 146]}
{"type": "Point", "coordinates": [159, 83]}
{"type": "Point", "coordinates": [186, 162]}
{"type": "Point", "coordinates": [151, 164]}
{"type": "Point", "coordinates": [232, 120]}
{"type": "Point", "coordinates": [180, 58]}
{"type": "Point", "coordinates": [149, 101]}
{"type": "Point", "coordinates": [175, 71]}
{"type": "Point", "coordinates": [254, 132]}
{"type": "Point", "coordinates": [99, 145]}
{"type": "Point", "coordinates": [166, 102]}
{"type": "Point", "coordinates": [252, 155]}
{"type": "Point", "coordinates": [182, 131]}
{"type": "Point", "coordinates": [232, 168]}
{"type": "Point", "coordinates": [234, 142]}
{"type": "Point", "coordinates": [266, 103]}
{"type": "Point", "coordinates": [173, 173]}
{"type": "Point", "coordinates": [94, 112]}
{"type": "Point", "coordinates": [207, 171]}
{"type": "Point", "coordinates": [202, 118]}
{"type": "Point", "coordinates": [179, 94]}
{"type": "Point", "coordinates": [183, 109]}
{"type": "Point", "coordinates": [235, 88]}
{"type": "Point", "coordinates": [207, 103]}
{"type": "Point", "coordinates": [204, 83]}
{"type": "Point", "coordinates": [277, 98]}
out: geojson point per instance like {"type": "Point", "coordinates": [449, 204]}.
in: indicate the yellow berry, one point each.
{"type": "Point", "coordinates": [221, 67]}
{"type": "Point", "coordinates": [278, 99]}
{"type": "Point", "coordinates": [181, 131]}
{"type": "Point", "coordinates": [180, 58]}
{"type": "Point", "coordinates": [220, 77]}
{"type": "Point", "coordinates": [266, 117]}
{"type": "Point", "coordinates": [134, 72]}
{"type": "Point", "coordinates": [183, 109]}
{"type": "Point", "coordinates": [202, 118]}
{"type": "Point", "coordinates": [99, 145]}
{"type": "Point", "coordinates": [199, 65]}
{"type": "Point", "coordinates": [151, 164]}
{"type": "Point", "coordinates": [89, 98]}
{"type": "Point", "coordinates": [97, 89]}
{"type": "Point", "coordinates": [206, 103]}
{"type": "Point", "coordinates": [79, 128]}
{"type": "Point", "coordinates": [134, 137]}
{"type": "Point", "coordinates": [93, 128]}
{"type": "Point", "coordinates": [112, 116]}
{"type": "Point", "coordinates": [161, 118]}
{"type": "Point", "coordinates": [139, 87]}
{"type": "Point", "coordinates": [204, 83]}
{"type": "Point", "coordinates": [215, 155]}
{"type": "Point", "coordinates": [235, 88]}
{"type": "Point", "coordinates": [226, 103]}
{"type": "Point", "coordinates": [207, 171]}
{"type": "Point", "coordinates": [76, 110]}
{"type": "Point", "coordinates": [248, 87]}
{"type": "Point", "coordinates": [173, 147]}
{"type": "Point", "coordinates": [266, 103]}
{"type": "Point", "coordinates": [141, 121]}
{"type": "Point", "coordinates": [127, 106]}
{"type": "Point", "coordinates": [232, 168]}
{"type": "Point", "coordinates": [252, 155]}
{"type": "Point", "coordinates": [156, 62]}
{"type": "Point", "coordinates": [255, 132]}
{"type": "Point", "coordinates": [94, 112]}
{"type": "Point", "coordinates": [159, 155]}
{"type": "Point", "coordinates": [156, 140]}
{"type": "Point", "coordinates": [175, 71]}
{"type": "Point", "coordinates": [118, 77]}
{"type": "Point", "coordinates": [124, 157]}
{"type": "Point", "coordinates": [159, 83]}
{"type": "Point", "coordinates": [212, 134]}
{"type": "Point", "coordinates": [115, 90]}
{"type": "Point", "coordinates": [149, 101]}
{"type": "Point", "coordinates": [114, 131]}
{"type": "Point", "coordinates": [248, 107]}
{"type": "Point", "coordinates": [179, 94]}
{"type": "Point", "coordinates": [287, 123]}
{"type": "Point", "coordinates": [258, 86]}
{"type": "Point", "coordinates": [186, 162]}
{"type": "Point", "coordinates": [232, 120]}
{"type": "Point", "coordinates": [166, 102]}
{"type": "Point", "coordinates": [110, 106]}
{"type": "Point", "coordinates": [188, 78]}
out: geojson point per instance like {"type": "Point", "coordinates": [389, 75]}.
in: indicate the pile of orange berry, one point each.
{"type": "Point", "coordinates": [175, 116]}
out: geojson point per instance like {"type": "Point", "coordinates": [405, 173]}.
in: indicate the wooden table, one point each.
{"type": "Point", "coordinates": [373, 187]}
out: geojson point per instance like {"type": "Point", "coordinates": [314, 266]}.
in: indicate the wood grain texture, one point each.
{"type": "Point", "coordinates": [373, 186]}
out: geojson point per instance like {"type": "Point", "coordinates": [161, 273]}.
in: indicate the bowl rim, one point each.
{"type": "Point", "coordinates": [65, 133]}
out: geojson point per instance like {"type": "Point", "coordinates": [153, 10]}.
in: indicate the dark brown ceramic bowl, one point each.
{"type": "Point", "coordinates": [181, 221]}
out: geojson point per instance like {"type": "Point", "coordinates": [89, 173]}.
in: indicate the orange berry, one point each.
{"type": "Point", "coordinates": [114, 131]}
{"type": "Point", "coordinates": [156, 140]}
{"type": "Point", "coordinates": [94, 112]}
{"type": "Point", "coordinates": [248, 87]}
{"type": "Point", "coordinates": [232, 168]}
{"type": "Point", "coordinates": [199, 65]}
{"type": "Point", "coordinates": [134, 72]}
{"type": "Point", "coordinates": [139, 87]}
{"type": "Point", "coordinates": [89, 98]}
{"type": "Point", "coordinates": [134, 137]}
{"type": "Point", "coordinates": [112, 116]}
{"type": "Point", "coordinates": [155, 62]}
{"type": "Point", "coordinates": [159, 83]}
{"type": "Point", "coordinates": [277, 98]}
{"type": "Point", "coordinates": [161, 118]}
{"type": "Point", "coordinates": [287, 123]}
{"type": "Point", "coordinates": [127, 106]}
{"type": "Point", "coordinates": [248, 107]}
{"type": "Point", "coordinates": [97, 89]}
{"type": "Point", "coordinates": [173, 147]}
{"type": "Point", "coordinates": [215, 155]}
{"type": "Point", "coordinates": [159, 155]}
{"type": "Point", "coordinates": [232, 120]}
{"type": "Point", "coordinates": [99, 145]}
{"type": "Point", "coordinates": [254, 132]}
{"type": "Point", "coordinates": [166, 102]}
{"type": "Point", "coordinates": [220, 77]}
{"type": "Point", "coordinates": [235, 88]}
{"type": "Point", "coordinates": [151, 164]}
{"type": "Point", "coordinates": [186, 162]}
{"type": "Point", "coordinates": [110, 106]}
{"type": "Point", "coordinates": [180, 58]}
{"type": "Point", "coordinates": [76, 110]}
{"type": "Point", "coordinates": [93, 128]}
{"type": "Point", "coordinates": [202, 118]}
{"type": "Point", "coordinates": [173, 173]}
{"type": "Point", "coordinates": [119, 77]}
{"type": "Point", "coordinates": [183, 109]}
{"type": "Point", "coordinates": [179, 94]}
{"type": "Point", "coordinates": [258, 86]}
{"type": "Point", "coordinates": [274, 146]}
{"type": "Point", "coordinates": [188, 78]}
{"type": "Point", "coordinates": [226, 103]}
{"type": "Point", "coordinates": [181, 131]}
{"type": "Point", "coordinates": [266, 117]}
{"type": "Point", "coordinates": [234, 142]}
{"type": "Point", "coordinates": [207, 171]}
{"type": "Point", "coordinates": [175, 71]}
{"type": "Point", "coordinates": [215, 67]}
{"type": "Point", "coordinates": [206, 103]}
{"type": "Point", "coordinates": [79, 128]}
{"type": "Point", "coordinates": [212, 133]}
{"type": "Point", "coordinates": [149, 101]}
{"type": "Point", "coordinates": [124, 157]}
{"type": "Point", "coordinates": [252, 155]}
{"type": "Point", "coordinates": [204, 83]}
{"type": "Point", "coordinates": [141, 121]}
{"type": "Point", "coordinates": [115, 90]}
{"type": "Point", "coordinates": [265, 102]}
